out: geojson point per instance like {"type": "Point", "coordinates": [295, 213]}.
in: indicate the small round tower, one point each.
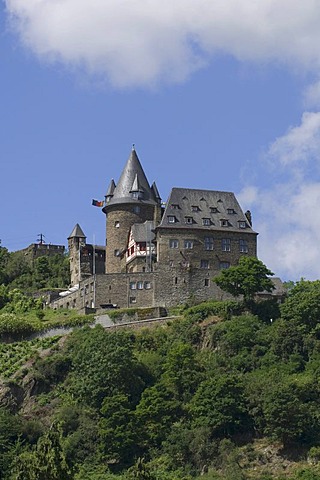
{"type": "Point", "coordinates": [76, 241]}
{"type": "Point", "coordinates": [129, 202]}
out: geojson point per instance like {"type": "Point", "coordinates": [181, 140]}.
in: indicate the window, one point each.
{"type": "Point", "coordinates": [133, 300]}
{"type": "Point", "coordinates": [140, 285]}
{"type": "Point", "coordinates": [224, 265]}
{"type": "Point", "coordinates": [226, 245]}
{"type": "Point", "coordinates": [171, 219]}
{"type": "Point", "coordinates": [135, 195]}
{"type": "Point", "coordinates": [117, 224]}
{"type": "Point", "coordinates": [188, 244]}
{"type": "Point", "coordinates": [173, 243]}
{"type": "Point", "coordinates": [206, 282]}
{"type": "Point", "coordinates": [214, 210]}
{"type": "Point", "coordinates": [136, 209]}
{"type": "Point", "coordinates": [243, 246]}
{"type": "Point", "coordinates": [204, 264]}
{"type": "Point", "coordinates": [242, 224]}
{"type": "Point", "coordinates": [224, 223]}
{"type": "Point", "coordinates": [175, 206]}
{"type": "Point", "coordinates": [206, 222]}
{"type": "Point", "coordinates": [208, 243]}
{"type": "Point", "coordinates": [189, 220]}
{"type": "Point", "coordinates": [147, 285]}
{"type": "Point", "coordinates": [116, 253]}
{"type": "Point", "coordinates": [176, 280]}
{"type": "Point", "coordinates": [195, 208]}
{"type": "Point", "coordinates": [133, 285]}
{"type": "Point", "coordinates": [231, 211]}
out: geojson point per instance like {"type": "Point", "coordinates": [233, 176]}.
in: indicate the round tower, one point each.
{"type": "Point", "coordinates": [76, 241]}
{"type": "Point", "coordinates": [129, 202]}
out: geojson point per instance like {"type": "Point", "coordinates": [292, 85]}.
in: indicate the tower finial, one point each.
{"type": "Point", "coordinates": [133, 147]}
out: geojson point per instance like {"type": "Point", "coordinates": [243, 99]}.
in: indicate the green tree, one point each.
{"type": "Point", "coordinates": [4, 257]}
{"type": "Point", "coordinates": [247, 278]}
{"type": "Point", "coordinates": [103, 365]}
{"type": "Point", "coordinates": [155, 414]}
{"type": "Point", "coordinates": [45, 462]}
{"type": "Point", "coordinates": [219, 404]}
{"type": "Point", "coordinates": [303, 304]}
{"type": "Point", "coordinates": [117, 430]}
{"type": "Point", "coordinates": [182, 373]}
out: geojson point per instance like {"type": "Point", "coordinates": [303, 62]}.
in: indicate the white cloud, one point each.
{"type": "Point", "coordinates": [144, 42]}
{"type": "Point", "coordinates": [290, 231]}
{"type": "Point", "coordinates": [301, 144]}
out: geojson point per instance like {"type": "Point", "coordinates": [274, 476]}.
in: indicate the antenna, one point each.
{"type": "Point", "coordinates": [41, 238]}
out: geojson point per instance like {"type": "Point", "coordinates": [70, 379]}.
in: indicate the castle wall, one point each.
{"type": "Point", "coordinates": [224, 249]}
{"type": "Point", "coordinates": [36, 250]}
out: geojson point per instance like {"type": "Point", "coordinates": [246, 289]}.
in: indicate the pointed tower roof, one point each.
{"type": "Point", "coordinates": [132, 179]}
{"type": "Point", "coordinates": [77, 232]}
{"type": "Point", "coordinates": [136, 187]}
{"type": "Point", "coordinates": [155, 191]}
{"type": "Point", "coordinates": [111, 188]}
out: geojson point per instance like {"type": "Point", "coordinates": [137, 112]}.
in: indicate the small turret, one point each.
{"type": "Point", "coordinates": [109, 194]}
{"type": "Point", "coordinates": [76, 241]}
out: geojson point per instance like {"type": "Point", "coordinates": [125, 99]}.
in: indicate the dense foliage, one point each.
{"type": "Point", "coordinates": [201, 397]}
{"type": "Point", "coordinates": [44, 272]}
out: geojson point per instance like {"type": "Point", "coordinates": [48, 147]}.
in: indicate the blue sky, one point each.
{"type": "Point", "coordinates": [214, 94]}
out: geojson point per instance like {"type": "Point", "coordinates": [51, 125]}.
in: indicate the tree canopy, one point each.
{"type": "Point", "coordinates": [247, 278]}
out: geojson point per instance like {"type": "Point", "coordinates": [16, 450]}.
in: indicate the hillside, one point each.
{"type": "Point", "coordinates": [220, 394]}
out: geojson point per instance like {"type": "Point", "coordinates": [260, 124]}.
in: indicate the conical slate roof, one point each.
{"type": "Point", "coordinates": [155, 190]}
{"type": "Point", "coordinates": [111, 188]}
{"type": "Point", "coordinates": [77, 232]}
{"type": "Point", "coordinates": [132, 179]}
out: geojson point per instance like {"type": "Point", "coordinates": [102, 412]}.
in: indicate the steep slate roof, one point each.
{"type": "Point", "coordinates": [143, 232]}
{"type": "Point", "coordinates": [111, 188]}
{"type": "Point", "coordinates": [204, 204]}
{"type": "Point", "coordinates": [131, 177]}
{"type": "Point", "coordinates": [77, 232]}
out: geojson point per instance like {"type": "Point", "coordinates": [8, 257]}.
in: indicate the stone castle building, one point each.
{"type": "Point", "coordinates": [155, 254]}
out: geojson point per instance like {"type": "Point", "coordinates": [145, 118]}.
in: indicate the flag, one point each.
{"type": "Point", "coordinates": [96, 203]}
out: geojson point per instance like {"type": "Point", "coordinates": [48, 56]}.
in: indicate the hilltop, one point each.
{"type": "Point", "coordinates": [220, 393]}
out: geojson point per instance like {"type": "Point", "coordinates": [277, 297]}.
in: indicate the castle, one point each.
{"type": "Point", "coordinates": [155, 254]}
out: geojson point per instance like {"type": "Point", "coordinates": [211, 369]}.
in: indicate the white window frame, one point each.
{"type": "Point", "coordinates": [226, 245]}
{"type": "Point", "coordinates": [173, 243]}
{"type": "Point", "coordinates": [188, 244]}
{"type": "Point", "coordinates": [243, 245]}
{"type": "Point", "coordinates": [208, 243]}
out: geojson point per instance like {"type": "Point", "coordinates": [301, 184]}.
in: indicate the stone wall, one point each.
{"type": "Point", "coordinates": [198, 255]}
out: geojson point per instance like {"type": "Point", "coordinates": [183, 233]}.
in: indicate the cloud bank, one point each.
{"type": "Point", "coordinates": [133, 43]}
{"type": "Point", "coordinates": [290, 230]}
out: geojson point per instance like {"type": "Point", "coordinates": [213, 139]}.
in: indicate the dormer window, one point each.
{"type": "Point", "coordinates": [137, 195]}
{"type": "Point", "coordinates": [189, 220]}
{"type": "Point", "coordinates": [214, 210]}
{"type": "Point", "coordinates": [171, 219]}
{"type": "Point", "coordinates": [224, 223]}
{"type": "Point", "coordinates": [206, 222]}
{"type": "Point", "coordinates": [175, 206]}
{"type": "Point", "coordinates": [231, 211]}
{"type": "Point", "coordinates": [242, 224]}
{"type": "Point", "coordinates": [195, 208]}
